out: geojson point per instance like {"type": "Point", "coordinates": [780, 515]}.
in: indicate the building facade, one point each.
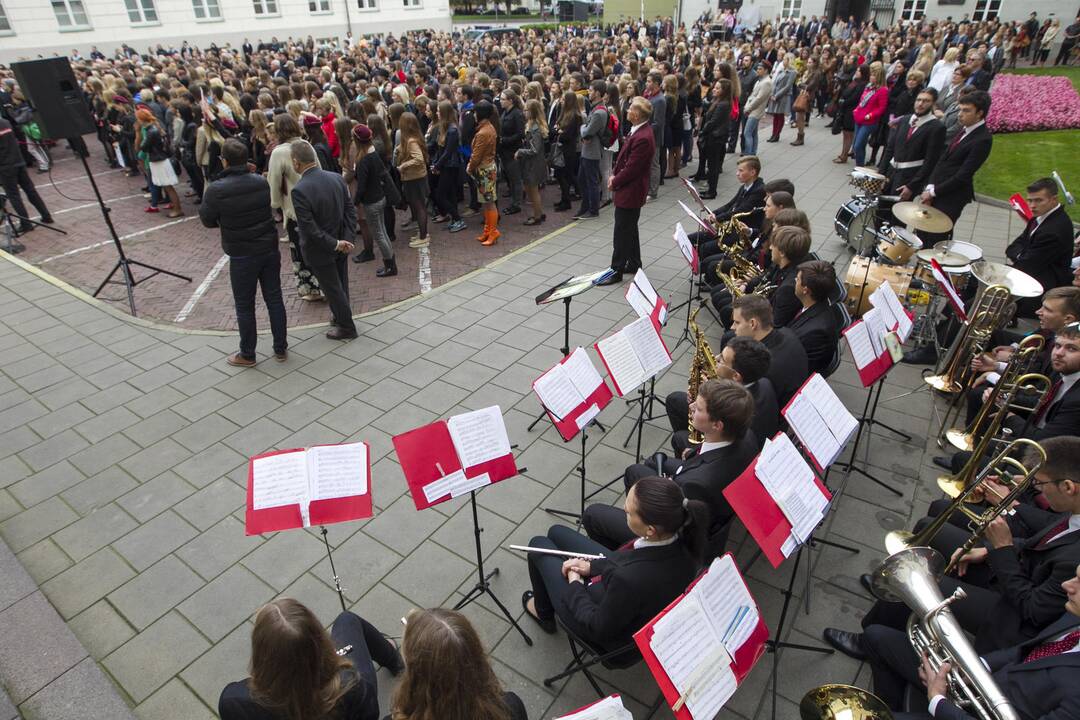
{"type": "Point", "coordinates": [41, 28]}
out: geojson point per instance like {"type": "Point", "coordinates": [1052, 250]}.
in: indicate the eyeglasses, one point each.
{"type": "Point", "coordinates": [1040, 483]}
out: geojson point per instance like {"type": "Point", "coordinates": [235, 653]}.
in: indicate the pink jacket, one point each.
{"type": "Point", "coordinates": [874, 108]}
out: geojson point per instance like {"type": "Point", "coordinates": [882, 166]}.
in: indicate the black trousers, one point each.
{"type": "Point", "coordinates": [714, 150]}
{"type": "Point", "coordinates": [246, 274]}
{"type": "Point", "coordinates": [545, 571]}
{"type": "Point", "coordinates": [14, 178]}
{"type": "Point", "coordinates": [626, 256]}
{"type": "Point", "coordinates": [334, 282]}
{"type": "Point", "coordinates": [893, 663]}
{"type": "Point", "coordinates": [446, 189]}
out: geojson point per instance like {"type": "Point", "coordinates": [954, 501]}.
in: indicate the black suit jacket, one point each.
{"type": "Point", "coordinates": [705, 475]}
{"type": "Point", "coordinates": [744, 201]}
{"type": "Point", "coordinates": [766, 410]}
{"type": "Point", "coordinates": [788, 368]}
{"type": "Point", "coordinates": [1062, 418]}
{"type": "Point", "coordinates": [324, 215]}
{"type": "Point", "coordinates": [785, 304]}
{"type": "Point", "coordinates": [1045, 688]}
{"type": "Point", "coordinates": [926, 144]}
{"type": "Point", "coordinates": [953, 176]}
{"type": "Point", "coordinates": [816, 329]}
{"type": "Point", "coordinates": [634, 587]}
{"type": "Point", "coordinates": [1045, 254]}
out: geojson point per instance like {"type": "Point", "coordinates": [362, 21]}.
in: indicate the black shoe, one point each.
{"type": "Point", "coordinates": [364, 256]}
{"type": "Point", "coordinates": [943, 462]}
{"type": "Point", "coordinates": [605, 204]}
{"type": "Point", "coordinates": [547, 625]}
{"type": "Point", "coordinates": [512, 210]}
{"type": "Point", "coordinates": [846, 642]}
{"type": "Point", "coordinates": [708, 195]}
{"type": "Point", "coordinates": [925, 355]}
{"type": "Point", "coordinates": [614, 279]}
{"type": "Point", "coordinates": [25, 227]}
{"type": "Point", "coordinates": [389, 268]}
{"type": "Point", "coordinates": [586, 216]}
{"type": "Point", "coordinates": [864, 580]}
{"type": "Point", "coordinates": [562, 207]}
{"type": "Point", "coordinates": [773, 139]}
{"type": "Point", "coordinates": [338, 333]}
{"type": "Point", "coordinates": [47, 219]}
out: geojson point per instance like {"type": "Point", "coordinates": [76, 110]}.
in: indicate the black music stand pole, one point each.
{"type": "Point", "coordinates": [581, 469]}
{"type": "Point", "coordinates": [691, 295]}
{"type": "Point", "coordinates": [638, 424]}
{"type": "Point", "coordinates": [483, 581]}
{"type": "Point", "coordinates": [333, 570]}
{"type": "Point", "coordinates": [644, 396]}
{"type": "Point", "coordinates": [867, 420]}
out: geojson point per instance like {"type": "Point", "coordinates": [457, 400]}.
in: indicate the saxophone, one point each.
{"type": "Point", "coordinates": [702, 367]}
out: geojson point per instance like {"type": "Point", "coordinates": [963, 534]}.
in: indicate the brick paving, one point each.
{"type": "Point", "coordinates": [123, 454]}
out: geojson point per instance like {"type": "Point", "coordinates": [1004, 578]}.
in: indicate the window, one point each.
{"type": "Point", "coordinates": [412, 4]}
{"type": "Point", "coordinates": [71, 15]}
{"type": "Point", "coordinates": [206, 10]}
{"type": "Point", "coordinates": [319, 7]}
{"type": "Point", "coordinates": [5, 26]}
{"type": "Point", "coordinates": [265, 8]}
{"type": "Point", "coordinates": [986, 10]}
{"type": "Point", "coordinates": [367, 4]}
{"type": "Point", "coordinates": [913, 9]}
{"type": "Point", "coordinates": [792, 8]}
{"type": "Point", "coordinates": [141, 12]}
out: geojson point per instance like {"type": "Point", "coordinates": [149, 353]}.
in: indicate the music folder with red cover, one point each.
{"type": "Point", "coordinates": [743, 660]}
{"type": "Point", "coordinates": [320, 511]}
{"type": "Point", "coordinates": [426, 450]}
{"type": "Point", "coordinates": [575, 420]}
{"type": "Point", "coordinates": [760, 514]}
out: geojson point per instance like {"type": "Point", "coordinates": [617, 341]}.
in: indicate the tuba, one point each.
{"type": "Point", "coordinates": [703, 367]}
{"type": "Point", "coordinates": [842, 702]}
{"type": "Point", "coordinates": [1011, 471]}
{"type": "Point", "coordinates": [910, 577]}
{"type": "Point", "coordinates": [987, 314]}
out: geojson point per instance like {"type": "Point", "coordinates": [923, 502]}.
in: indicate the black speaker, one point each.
{"type": "Point", "coordinates": [59, 107]}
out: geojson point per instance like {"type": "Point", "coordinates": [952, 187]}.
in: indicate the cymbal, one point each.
{"type": "Point", "coordinates": [922, 217]}
{"type": "Point", "coordinates": [943, 257]}
{"type": "Point", "coordinates": [869, 172]}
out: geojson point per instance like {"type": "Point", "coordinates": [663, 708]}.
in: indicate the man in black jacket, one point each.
{"type": "Point", "coordinates": [752, 317]}
{"type": "Point", "coordinates": [1044, 250]}
{"type": "Point", "coordinates": [238, 202]}
{"type": "Point", "coordinates": [815, 324]}
{"type": "Point", "coordinates": [13, 176]}
{"type": "Point", "coordinates": [722, 413]}
{"type": "Point", "coordinates": [916, 147]}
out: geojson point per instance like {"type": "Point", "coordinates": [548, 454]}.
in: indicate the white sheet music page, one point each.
{"type": "Point", "coordinates": [479, 436]}
{"type": "Point", "coordinates": [858, 340]}
{"type": "Point", "coordinates": [622, 362]}
{"type": "Point", "coordinates": [279, 480]}
{"type": "Point", "coordinates": [693, 657]}
{"type": "Point", "coordinates": [813, 433]}
{"type": "Point", "coordinates": [338, 470]}
{"type": "Point", "coordinates": [610, 708]}
{"type": "Point", "coordinates": [837, 418]}
{"type": "Point", "coordinates": [685, 246]}
{"type": "Point", "coordinates": [580, 370]}
{"type": "Point", "coordinates": [557, 392]}
{"type": "Point", "coordinates": [790, 482]}
{"type": "Point", "coordinates": [648, 346]}
{"type": "Point", "coordinates": [904, 324]}
{"type": "Point", "coordinates": [729, 606]}
{"type": "Point", "coordinates": [876, 329]}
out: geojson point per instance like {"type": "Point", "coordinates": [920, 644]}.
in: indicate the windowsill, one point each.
{"type": "Point", "coordinates": [267, 16]}
{"type": "Point", "coordinates": [414, 7]}
{"type": "Point", "coordinates": [322, 12]}
{"type": "Point", "coordinates": [210, 20]}
{"type": "Point", "coordinates": [148, 23]}
{"type": "Point", "coordinates": [6, 33]}
{"type": "Point", "coordinates": [370, 9]}
{"type": "Point", "coordinates": [76, 28]}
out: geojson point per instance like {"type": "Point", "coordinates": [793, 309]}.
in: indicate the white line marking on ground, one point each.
{"type": "Point", "coordinates": [80, 177]}
{"type": "Point", "coordinates": [425, 271]}
{"type": "Point", "coordinates": [201, 290]}
{"type": "Point", "coordinates": [76, 251]}
{"type": "Point", "coordinates": [94, 204]}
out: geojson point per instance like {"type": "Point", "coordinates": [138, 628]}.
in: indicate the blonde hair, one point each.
{"type": "Point", "coordinates": [534, 117]}
{"type": "Point", "coordinates": [951, 54]}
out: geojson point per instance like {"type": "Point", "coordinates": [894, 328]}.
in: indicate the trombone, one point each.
{"type": "Point", "coordinates": [987, 315]}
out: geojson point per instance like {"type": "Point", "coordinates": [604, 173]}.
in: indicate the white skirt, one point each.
{"type": "Point", "coordinates": [162, 173]}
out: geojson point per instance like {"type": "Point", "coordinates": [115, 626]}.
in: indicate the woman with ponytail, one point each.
{"type": "Point", "coordinates": [605, 601]}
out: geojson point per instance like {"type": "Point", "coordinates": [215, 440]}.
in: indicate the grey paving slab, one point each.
{"type": "Point", "coordinates": [82, 693]}
{"type": "Point", "coordinates": [174, 699]}
{"type": "Point", "coordinates": [101, 629]}
{"type": "Point", "coordinates": [225, 602]}
{"type": "Point", "coordinates": [154, 539]}
{"type": "Point", "coordinates": [36, 648]}
{"type": "Point", "coordinates": [141, 666]}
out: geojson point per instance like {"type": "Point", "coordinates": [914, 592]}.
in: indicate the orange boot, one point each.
{"type": "Point", "coordinates": [491, 220]}
{"type": "Point", "coordinates": [482, 237]}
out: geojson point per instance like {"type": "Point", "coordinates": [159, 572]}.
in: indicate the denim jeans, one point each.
{"type": "Point", "coordinates": [589, 182]}
{"type": "Point", "coordinates": [862, 135]}
{"type": "Point", "coordinates": [246, 273]}
{"type": "Point", "coordinates": [749, 139]}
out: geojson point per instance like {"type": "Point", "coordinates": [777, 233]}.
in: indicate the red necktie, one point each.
{"type": "Point", "coordinates": [1053, 533]}
{"type": "Point", "coordinates": [956, 141]}
{"type": "Point", "coordinates": [1047, 401]}
{"type": "Point", "coordinates": [910, 131]}
{"type": "Point", "coordinates": [1057, 647]}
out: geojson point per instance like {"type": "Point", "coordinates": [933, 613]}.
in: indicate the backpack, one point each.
{"type": "Point", "coordinates": [610, 133]}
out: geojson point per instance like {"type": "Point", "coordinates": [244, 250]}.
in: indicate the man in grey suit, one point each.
{"type": "Point", "coordinates": [654, 93]}
{"type": "Point", "coordinates": [326, 220]}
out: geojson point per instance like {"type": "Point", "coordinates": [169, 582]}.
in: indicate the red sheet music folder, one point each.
{"type": "Point", "coordinates": [760, 514]}
{"type": "Point", "coordinates": [568, 427]}
{"type": "Point", "coordinates": [321, 512]}
{"type": "Point", "coordinates": [875, 370]}
{"type": "Point", "coordinates": [743, 662]}
{"type": "Point", "coordinates": [421, 448]}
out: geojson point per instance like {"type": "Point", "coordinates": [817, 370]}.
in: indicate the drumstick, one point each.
{"type": "Point", "coordinates": [562, 553]}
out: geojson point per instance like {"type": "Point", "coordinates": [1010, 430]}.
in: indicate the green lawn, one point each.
{"type": "Point", "coordinates": [1019, 158]}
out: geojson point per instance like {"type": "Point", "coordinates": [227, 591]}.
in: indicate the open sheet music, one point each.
{"type": "Point", "coordinates": [300, 477]}
{"type": "Point", "coordinates": [704, 225]}
{"type": "Point", "coordinates": [790, 482]}
{"type": "Point", "coordinates": [479, 437]}
{"type": "Point", "coordinates": [820, 420]}
{"type": "Point", "coordinates": [633, 355]}
{"type": "Point", "coordinates": [646, 302]}
{"type": "Point", "coordinates": [568, 385]}
{"type": "Point", "coordinates": [884, 299]}
{"type": "Point", "coordinates": [610, 708]}
{"type": "Point", "coordinates": [696, 639]}
{"type": "Point", "coordinates": [687, 248]}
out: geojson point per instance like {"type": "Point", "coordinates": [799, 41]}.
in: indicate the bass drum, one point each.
{"type": "Point", "coordinates": [855, 224]}
{"type": "Point", "coordinates": [874, 273]}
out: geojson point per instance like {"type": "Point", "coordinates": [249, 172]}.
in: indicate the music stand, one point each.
{"type": "Point", "coordinates": [581, 470]}
{"type": "Point", "coordinates": [867, 419]}
{"type": "Point", "coordinates": [333, 570]}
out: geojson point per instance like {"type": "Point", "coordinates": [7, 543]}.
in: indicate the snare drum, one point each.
{"type": "Point", "coordinates": [959, 274]}
{"type": "Point", "coordinates": [869, 184]}
{"type": "Point", "coordinates": [897, 245]}
{"type": "Point", "coordinates": [854, 223]}
{"type": "Point", "coordinates": [858, 296]}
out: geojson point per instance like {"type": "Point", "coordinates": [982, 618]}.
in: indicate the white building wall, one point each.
{"type": "Point", "coordinates": [36, 33]}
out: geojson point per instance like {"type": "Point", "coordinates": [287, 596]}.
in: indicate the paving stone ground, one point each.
{"type": "Point", "coordinates": [123, 451]}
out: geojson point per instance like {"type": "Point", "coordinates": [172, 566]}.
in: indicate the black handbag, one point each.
{"type": "Point", "coordinates": [390, 188]}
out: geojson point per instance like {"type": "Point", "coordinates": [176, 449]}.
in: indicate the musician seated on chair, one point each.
{"type": "Point", "coordinates": [1013, 584]}
{"type": "Point", "coordinates": [715, 256]}
{"type": "Point", "coordinates": [1058, 414]}
{"type": "Point", "coordinates": [788, 246]}
{"type": "Point", "coordinates": [604, 602]}
{"type": "Point", "coordinates": [1039, 677]}
{"type": "Point", "coordinates": [1044, 249]}
{"type": "Point", "coordinates": [752, 317]}
{"type": "Point", "coordinates": [750, 195]}
{"type": "Point", "coordinates": [747, 362]}
{"type": "Point", "coordinates": [447, 673]}
{"type": "Point", "coordinates": [721, 414]}
{"type": "Point", "coordinates": [782, 187]}
{"type": "Point", "coordinates": [815, 324]}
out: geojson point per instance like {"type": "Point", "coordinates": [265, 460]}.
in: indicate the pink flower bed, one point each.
{"type": "Point", "coordinates": [1033, 102]}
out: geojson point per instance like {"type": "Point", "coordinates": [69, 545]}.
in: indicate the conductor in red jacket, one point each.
{"type": "Point", "coordinates": [629, 184]}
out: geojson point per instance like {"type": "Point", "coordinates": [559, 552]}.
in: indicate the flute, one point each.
{"type": "Point", "coordinates": [562, 553]}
